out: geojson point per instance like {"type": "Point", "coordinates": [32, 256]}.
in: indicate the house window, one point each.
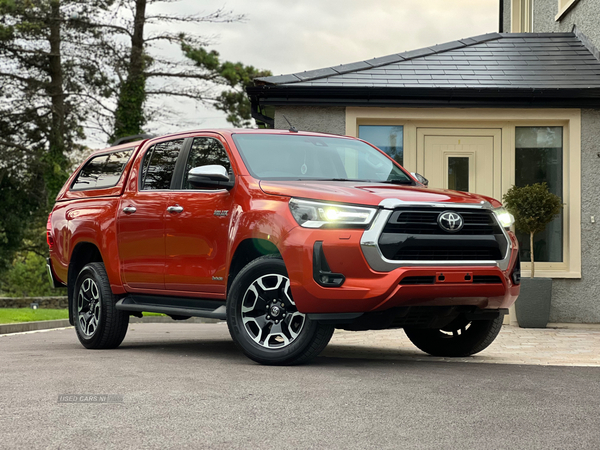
{"type": "Point", "coordinates": [390, 139]}
{"type": "Point", "coordinates": [539, 158]}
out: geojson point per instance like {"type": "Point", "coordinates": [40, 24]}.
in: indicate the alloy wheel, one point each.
{"type": "Point", "coordinates": [269, 314]}
{"type": "Point", "coordinates": [88, 307]}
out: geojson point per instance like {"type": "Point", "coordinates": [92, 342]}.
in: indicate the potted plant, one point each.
{"type": "Point", "coordinates": [533, 207]}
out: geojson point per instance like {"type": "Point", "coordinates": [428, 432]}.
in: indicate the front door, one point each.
{"type": "Point", "coordinates": [461, 159]}
{"type": "Point", "coordinates": [196, 233]}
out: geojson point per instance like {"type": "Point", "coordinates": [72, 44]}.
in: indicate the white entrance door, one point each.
{"type": "Point", "coordinates": [461, 159]}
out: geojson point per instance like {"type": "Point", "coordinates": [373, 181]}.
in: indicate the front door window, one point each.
{"type": "Point", "coordinates": [458, 173]}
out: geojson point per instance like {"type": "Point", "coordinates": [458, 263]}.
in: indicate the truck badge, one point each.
{"type": "Point", "coordinates": [450, 221]}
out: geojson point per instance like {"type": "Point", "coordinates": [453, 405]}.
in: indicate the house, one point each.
{"type": "Point", "coordinates": [482, 114]}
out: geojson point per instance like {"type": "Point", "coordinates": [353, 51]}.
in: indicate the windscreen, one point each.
{"type": "Point", "coordinates": [297, 157]}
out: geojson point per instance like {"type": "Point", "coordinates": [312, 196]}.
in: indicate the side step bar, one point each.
{"type": "Point", "coordinates": [173, 306]}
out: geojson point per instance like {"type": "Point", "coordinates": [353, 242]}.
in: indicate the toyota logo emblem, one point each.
{"type": "Point", "coordinates": [450, 221]}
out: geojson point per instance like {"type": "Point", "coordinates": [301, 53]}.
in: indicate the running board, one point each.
{"type": "Point", "coordinates": [174, 306]}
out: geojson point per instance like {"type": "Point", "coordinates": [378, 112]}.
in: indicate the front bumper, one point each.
{"type": "Point", "coordinates": [365, 289]}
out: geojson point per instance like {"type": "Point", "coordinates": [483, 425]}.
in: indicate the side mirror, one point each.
{"type": "Point", "coordinates": [420, 178]}
{"type": "Point", "coordinates": [210, 176]}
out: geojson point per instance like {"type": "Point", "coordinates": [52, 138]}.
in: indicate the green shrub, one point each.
{"type": "Point", "coordinates": [28, 278]}
{"type": "Point", "coordinates": [533, 207]}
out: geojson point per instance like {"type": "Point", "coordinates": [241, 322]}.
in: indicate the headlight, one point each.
{"type": "Point", "coordinates": [316, 214]}
{"type": "Point", "coordinates": [505, 218]}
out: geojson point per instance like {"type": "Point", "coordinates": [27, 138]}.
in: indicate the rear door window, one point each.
{"type": "Point", "coordinates": [159, 164]}
{"type": "Point", "coordinates": [102, 171]}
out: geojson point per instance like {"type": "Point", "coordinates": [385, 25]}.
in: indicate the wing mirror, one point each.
{"type": "Point", "coordinates": [210, 176]}
{"type": "Point", "coordinates": [420, 178]}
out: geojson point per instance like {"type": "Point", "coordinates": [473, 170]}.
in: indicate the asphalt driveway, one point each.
{"type": "Point", "coordinates": [186, 386]}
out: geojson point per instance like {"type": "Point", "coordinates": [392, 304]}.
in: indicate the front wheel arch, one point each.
{"type": "Point", "coordinates": [247, 251]}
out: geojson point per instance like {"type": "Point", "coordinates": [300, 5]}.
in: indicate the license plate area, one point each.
{"type": "Point", "coordinates": [454, 277]}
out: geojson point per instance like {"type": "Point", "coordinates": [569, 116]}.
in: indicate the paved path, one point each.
{"type": "Point", "coordinates": [185, 385]}
{"type": "Point", "coordinates": [556, 347]}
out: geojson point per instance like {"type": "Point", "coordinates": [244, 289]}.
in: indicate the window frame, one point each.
{"type": "Point", "coordinates": [518, 23]}
{"type": "Point", "coordinates": [131, 150]}
{"type": "Point", "coordinates": [564, 6]}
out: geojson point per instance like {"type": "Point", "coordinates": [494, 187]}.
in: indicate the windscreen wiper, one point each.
{"type": "Point", "coordinates": [406, 182]}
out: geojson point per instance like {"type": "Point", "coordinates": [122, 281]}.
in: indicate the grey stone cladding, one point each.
{"type": "Point", "coordinates": [310, 118]}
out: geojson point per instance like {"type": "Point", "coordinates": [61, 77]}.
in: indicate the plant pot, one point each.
{"type": "Point", "coordinates": [533, 305]}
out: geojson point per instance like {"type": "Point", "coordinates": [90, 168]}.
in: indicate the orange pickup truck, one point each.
{"type": "Point", "coordinates": [286, 235]}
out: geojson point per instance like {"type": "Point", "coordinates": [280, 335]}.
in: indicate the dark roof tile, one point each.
{"type": "Point", "coordinates": [317, 73]}
{"type": "Point", "coordinates": [521, 60]}
{"type": "Point", "coordinates": [416, 53]}
{"type": "Point", "coordinates": [352, 67]}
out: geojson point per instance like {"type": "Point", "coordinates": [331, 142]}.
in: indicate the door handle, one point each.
{"type": "Point", "coordinates": [175, 209]}
{"type": "Point", "coordinates": [129, 209]}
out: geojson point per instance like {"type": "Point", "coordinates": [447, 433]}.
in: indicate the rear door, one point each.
{"type": "Point", "coordinates": [197, 227]}
{"type": "Point", "coordinates": [141, 218]}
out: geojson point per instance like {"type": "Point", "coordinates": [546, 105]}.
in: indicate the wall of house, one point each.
{"type": "Point", "coordinates": [506, 16]}
{"type": "Point", "coordinates": [576, 300]}
{"type": "Point", "coordinates": [584, 15]}
{"type": "Point", "coordinates": [311, 118]}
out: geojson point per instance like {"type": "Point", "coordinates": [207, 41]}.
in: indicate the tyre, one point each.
{"type": "Point", "coordinates": [459, 338]}
{"type": "Point", "coordinates": [98, 323]}
{"type": "Point", "coordinates": [263, 319]}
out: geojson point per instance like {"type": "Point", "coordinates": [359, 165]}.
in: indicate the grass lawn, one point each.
{"type": "Point", "coordinates": [13, 315]}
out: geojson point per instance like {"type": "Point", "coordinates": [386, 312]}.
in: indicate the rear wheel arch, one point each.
{"type": "Point", "coordinates": [83, 254]}
{"type": "Point", "coordinates": [247, 251]}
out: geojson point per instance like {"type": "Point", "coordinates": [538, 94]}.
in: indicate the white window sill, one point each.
{"type": "Point", "coordinates": [550, 274]}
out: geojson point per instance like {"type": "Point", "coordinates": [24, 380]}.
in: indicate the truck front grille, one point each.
{"type": "Point", "coordinates": [425, 222]}
{"type": "Point", "coordinates": [413, 234]}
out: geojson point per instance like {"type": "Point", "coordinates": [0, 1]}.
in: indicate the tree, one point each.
{"type": "Point", "coordinates": [138, 73]}
{"type": "Point", "coordinates": [69, 63]}
{"type": "Point", "coordinates": [533, 207]}
{"type": "Point", "coordinates": [42, 85]}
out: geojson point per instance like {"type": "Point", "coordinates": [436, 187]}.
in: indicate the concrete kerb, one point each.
{"type": "Point", "coordinates": [21, 327]}
{"type": "Point", "coordinates": [7, 328]}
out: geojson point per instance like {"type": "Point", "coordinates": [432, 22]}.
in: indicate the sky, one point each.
{"type": "Point", "coordinates": [287, 36]}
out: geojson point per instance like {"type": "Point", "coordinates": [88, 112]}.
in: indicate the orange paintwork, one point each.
{"type": "Point", "coordinates": [153, 251]}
